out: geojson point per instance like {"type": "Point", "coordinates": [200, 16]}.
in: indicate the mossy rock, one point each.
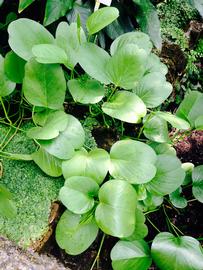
{"type": "Point", "coordinates": [33, 192]}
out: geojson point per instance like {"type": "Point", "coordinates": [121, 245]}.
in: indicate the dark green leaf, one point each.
{"type": "Point", "coordinates": [23, 4]}
{"type": "Point", "coordinates": [198, 4]}
{"type": "Point", "coordinates": [177, 199]}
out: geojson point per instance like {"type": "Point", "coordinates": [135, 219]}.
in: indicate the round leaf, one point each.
{"type": "Point", "coordinates": [24, 34]}
{"type": "Point", "coordinates": [115, 213]}
{"type": "Point", "coordinates": [174, 120]}
{"type": "Point", "coordinates": [177, 253]}
{"type": "Point", "coordinates": [78, 194]}
{"type": "Point", "coordinates": [132, 161]}
{"type": "Point", "coordinates": [126, 107]}
{"type": "Point", "coordinates": [75, 235]}
{"type": "Point", "coordinates": [197, 187]}
{"type": "Point", "coordinates": [134, 255]}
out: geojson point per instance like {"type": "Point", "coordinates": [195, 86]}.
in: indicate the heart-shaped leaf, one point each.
{"type": "Point", "coordinates": [125, 106]}
{"type": "Point", "coordinates": [101, 18]}
{"type": "Point", "coordinates": [197, 187]}
{"type": "Point", "coordinates": [44, 85]}
{"type": "Point", "coordinates": [127, 255]}
{"type": "Point", "coordinates": [75, 233]}
{"type": "Point", "coordinates": [87, 91]}
{"type": "Point", "coordinates": [24, 34]}
{"type": "Point", "coordinates": [78, 194]}
{"type": "Point", "coordinates": [174, 120]}
{"type": "Point", "coordinates": [94, 164]}
{"type": "Point", "coordinates": [115, 213]}
{"type": "Point", "coordinates": [133, 161]}
{"type": "Point", "coordinates": [175, 253]}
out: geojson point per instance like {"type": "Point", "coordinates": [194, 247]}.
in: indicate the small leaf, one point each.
{"type": "Point", "coordinates": [134, 255]}
{"type": "Point", "coordinates": [14, 67]}
{"type": "Point", "coordinates": [177, 199]}
{"type": "Point", "coordinates": [7, 205]}
{"type": "Point", "coordinates": [115, 212]}
{"type": "Point", "coordinates": [101, 18]}
{"type": "Point", "coordinates": [24, 34]}
{"type": "Point", "coordinates": [78, 194]}
{"type": "Point", "coordinates": [47, 163]}
{"type": "Point", "coordinates": [44, 85]}
{"type": "Point", "coordinates": [74, 235]}
{"type": "Point", "coordinates": [170, 252]}
{"type": "Point", "coordinates": [197, 187]}
{"type": "Point", "coordinates": [86, 92]}
{"type": "Point", "coordinates": [56, 9]}
{"type": "Point", "coordinates": [132, 161]}
{"type": "Point", "coordinates": [174, 120]}
{"type": "Point", "coordinates": [188, 168]}
{"type": "Point", "coordinates": [94, 164]}
{"type": "Point", "coordinates": [23, 4]}
{"type": "Point", "coordinates": [125, 106]}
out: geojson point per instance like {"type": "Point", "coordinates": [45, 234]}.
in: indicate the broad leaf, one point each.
{"type": "Point", "coordinates": [6, 86]}
{"type": "Point", "coordinates": [86, 91]}
{"type": "Point", "coordinates": [174, 120]}
{"type": "Point", "coordinates": [153, 89]}
{"type": "Point", "coordinates": [137, 38]}
{"type": "Point", "coordinates": [163, 148]}
{"type": "Point", "coordinates": [176, 253]}
{"type": "Point", "coordinates": [101, 18]}
{"type": "Point", "coordinates": [7, 205]}
{"type": "Point", "coordinates": [78, 194]}
{"type": "Point", "coordinates": [199, 123]}
{"type": "Point", "coordinates": [169, 175]}
{"type": "Point", "coordinates": [75, 235]}
{"type": "Point", "coordinates": [134, 255]}
{"type": "Point", "coordinates": [115, 213]}
{"type": "Point", "coordinates": [14, 67]}
{"type": "Point", "coordinates": [191, 107]}
{"type": "Point", "coordinates": [94, 164]}
{"type": "Point", "coordinates": [24, 34]}
{"type": "Point", "coordinates": [177, 199]}
{"type": "Point", "coordinates": [133, 161]}
{"type": "Point", "coordinates": [23, 4]}
{"type": "Point", "coordinates": [69, 38]}
{"type": "Point", "coordinates": [40, 117]}
{"type": "Point", "coordinates": [44, 85]}
{"type": "Point", "coordinates": [94, 61]}
{"type": "Point", "coordinates": [197, 187]}
{"type": "Point", "coordinates": [148, 20]}
{"type": "Point", "coordinates": [126, 67]}
{"type": "Point", "coordinates": [153, 64]}
{"type": "Point", "coordinates": [56, 9]}
{"type": "Point", "coordinates": [125, 106]}
{"type": "Point", "coordinates": [47, 163]}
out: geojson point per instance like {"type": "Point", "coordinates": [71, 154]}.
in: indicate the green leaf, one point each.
{"type": "Point", "coordinates": [151, 202]}
{"type": "Point", "coordinates": [40, 117]}
{"type": "Point", "coordinates": [126, 67]}
{"type": "Point", "coordinates": [191, 107]}
{"type": "Point", "coordinates": [133, 161]}
{"type": "Point", "coordinates": [47, 163]}
{"type": "Point", "coordinates": [68, 140]}
{"type": "Point", "coordinates": [74, 235]}
{"type": "Point", "coordinates": [199, 123]}
{"type": "Point", "coordinates": [156, 129]}
{"type": "Point", "coordinates": [69, 40]}
{"type": "Point", "coordinates": [94, 61]}
{"type": "Point", "coordinates": [6, 86]}
{"type": "Point", "coordinates": [197, 187]}
{"type": "Point", "coordinates": [44, 85]}
{"type": "Point", "coordinates": [56, 122]}
{"type": "Point", "coordinates": [181, 253]}
{"type": "Point", "coordinates": [134, 255]}
{"type": "Point", "coordinates": [101, 18]}
{"type": "Point", "coordinates": [136, 38]}
{"type": "Point", "coordinates": [23, 4]}
{"type": "Point", "coordinates": [125, 106]}
{"type": "Point", "coordinates": [148, 20]}
{"type": "Point", "coordinates": [7, 205]}
{"type": "Point", "coordinates": [188, 168]}
{"type": "Point", "coordinates": [1, 2]}
{"type": "Point", "coordinates": [163, 148]}
{"type": "Point", "coordinates": [87, 91]}
{"type": "Point", "coordinates": [153, 64]}
{"type": "Point", "coordinates": [49, 54]}
{"type": "Point", "coordinates": [153, 89]}
{"type": "Point", "coordinates": [177, 199]}
{"type": "Point", "coordinates": [174, 120]}
{"type": "Point", "coordinates": [14, 67]}
{"type": "Point", "coordinates": [78, 194]}
{"type": "Point", "coordinates": [94, 164]}
{"type": "Point", "coordinates": [24, 34]}
{"type": "Point", "coordinates": [115, 213]}
{"type": "Point", "coordinates": [56, 9]}
{"type": "Point", "coordinates": [169, 175]}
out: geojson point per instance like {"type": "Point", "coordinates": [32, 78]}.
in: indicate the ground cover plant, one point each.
{"type": "Point", "coordinates": [108, 193]}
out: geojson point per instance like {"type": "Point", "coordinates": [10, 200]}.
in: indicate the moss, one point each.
{"type": "Point", "coordinates": [33, 192]}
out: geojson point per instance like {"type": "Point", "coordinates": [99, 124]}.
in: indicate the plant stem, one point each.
{"type": "Point", "coordinates": [153, 225]}
{"type": "Point", "coordinates": [98, 253]}
{"type": "Point", "coordinates": [5, 112]}
{"type": "Point", "coordinates": [192, 200]}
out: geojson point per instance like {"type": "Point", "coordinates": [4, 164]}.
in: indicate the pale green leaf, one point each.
{"type": "Point", "coordinates": [177, 199]}
{"type": "Point", "coordinates": [174, 120]}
